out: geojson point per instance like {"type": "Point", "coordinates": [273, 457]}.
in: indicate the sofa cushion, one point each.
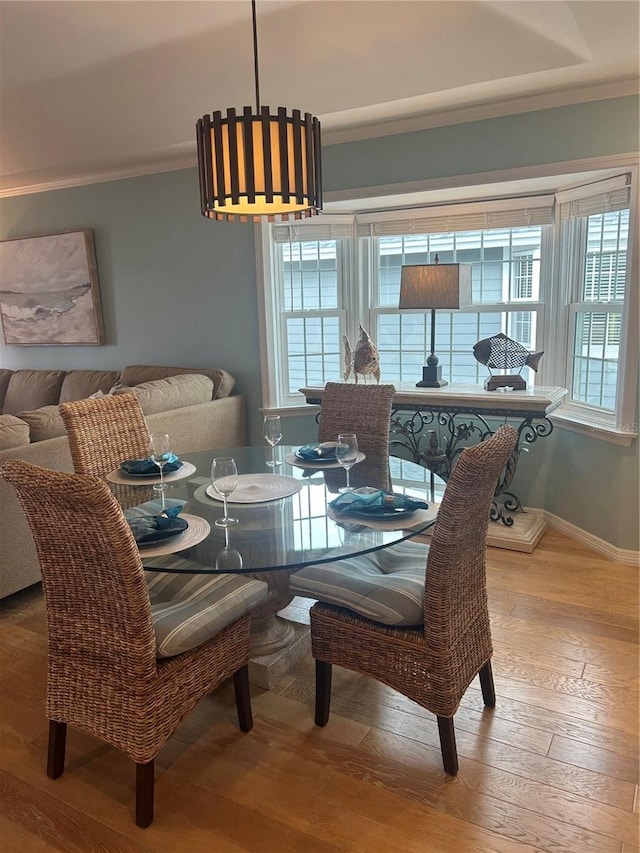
{"type": "Point", "coordinates": [80, 384]}
{"type": "Point", "coordinates": [135, 374]}
{"type": "Point", "coordinates": [5, 376]}
{"type": "Point", "coordinates": [32, 389]}
{"type": "Point", "coordinates": [13, 432]}
{"type": "Point", "coordinates": [44, 423]}
{"type": "Point", "coordinates": [174, 392]}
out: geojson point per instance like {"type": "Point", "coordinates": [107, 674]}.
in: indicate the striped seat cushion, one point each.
{"type": "Point", "coordinates": [386, 586]}
{"type": "Point", "coordinates": [187, 610]}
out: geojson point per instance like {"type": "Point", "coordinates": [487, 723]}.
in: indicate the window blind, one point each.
{"type": "Point", "coordinates": [600, 197]}
{"type": "Point", "coordinates": [324, 227]}
{"type": "Point", "coordinates": [473, 216]}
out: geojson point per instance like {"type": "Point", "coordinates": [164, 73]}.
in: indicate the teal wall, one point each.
{"type": "Point", "coordinates": [178, 289]}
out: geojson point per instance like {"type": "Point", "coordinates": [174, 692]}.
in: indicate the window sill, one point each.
{"type": "Point", "coordinates": [598, 429]}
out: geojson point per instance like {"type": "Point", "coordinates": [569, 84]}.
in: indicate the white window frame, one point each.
{"type": "Point", "coordinates": [619, 426]}
{"type": "Point", "coordinates": [553, 310]}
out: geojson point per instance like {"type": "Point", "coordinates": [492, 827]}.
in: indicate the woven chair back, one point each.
{"type": "Point", "coordinates": [366, 411]}
{"type": "Point", "coordinates": [455, 589]}
{"type": "Point", "coordinates": [98, 609]}
{"type": "Point", "coordinates": [104, 431]}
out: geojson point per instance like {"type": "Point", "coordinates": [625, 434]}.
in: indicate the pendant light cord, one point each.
{"type": "Point", "coordinates": [255, 54]}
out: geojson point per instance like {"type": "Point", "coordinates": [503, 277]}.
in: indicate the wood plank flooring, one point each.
{"type": "Point", "coordinates": [554, 767]}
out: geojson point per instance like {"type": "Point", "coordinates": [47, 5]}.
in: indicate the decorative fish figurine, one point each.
{"type": "Point", "coordinates": [363, 360]}
{"type": "Point", "coordinates": [503, 353]}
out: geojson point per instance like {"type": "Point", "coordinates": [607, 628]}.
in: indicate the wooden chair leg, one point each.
{"type": "Point", "coordinates": [323, 692]}
{"type": "Point", "coordinates": [243, 698]}
{"type": "Point", "coordinates": [144, 793]}
{"type": "Point", "coordinates": [448, 745]}
{"type": "Point", "coordinates": [486, 683]}
{"type": "Point", "coordinates": [56, 751]}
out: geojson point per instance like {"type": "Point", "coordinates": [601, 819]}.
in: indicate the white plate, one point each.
{"type": "Point", "coordinates": [292, 459]}
{"type": "Point", "coordinates": [117, 476]}
{"type": "Point", "coordinates": [197, 530]}
{"type": "Point", "coordinates": [258, 488]}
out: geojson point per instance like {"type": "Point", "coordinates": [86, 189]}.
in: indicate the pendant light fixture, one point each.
{"type": "Point", "coordinates": [257, 165]}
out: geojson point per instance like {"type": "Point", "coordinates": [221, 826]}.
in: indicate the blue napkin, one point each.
{"type": "Point", "coordinates": [325, 452]}
{"type": "Point", "coordinates": [144, 467]}
{"type": "Point", "coordinates": [375, 503]}
{"type": "Point", "coordinates": [150, 524]}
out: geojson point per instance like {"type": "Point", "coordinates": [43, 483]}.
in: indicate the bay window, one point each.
{"type": "Point", "coordinates": [551, 271]}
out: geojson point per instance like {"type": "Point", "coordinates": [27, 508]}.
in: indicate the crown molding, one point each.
{"type": "Point", "coordinates": [480, 112]}
{"type": "Point", "coordinates": [183, 156]}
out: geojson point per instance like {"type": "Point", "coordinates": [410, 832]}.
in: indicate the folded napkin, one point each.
{"type": "Point", "coordinates": [375, 503]}
{"type": "Point", "coordinates": [324, 452]}
{"type": "Point", "coordinates": [148, 466]}
{"type": "Point", "coordinates": [149, 523]}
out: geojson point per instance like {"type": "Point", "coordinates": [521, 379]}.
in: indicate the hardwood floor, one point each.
{"type": "Point", "coordinates": [554, 767]}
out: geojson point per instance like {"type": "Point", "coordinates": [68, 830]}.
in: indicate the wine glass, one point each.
{"type": "Point", "coordinates": [347, 455]}
{"type": "Point", "coordinates": [160, 453]}
{"type": "Point", "coordinates": [224, 479]}
{"type": "Point", "coordinates": [272, 431]}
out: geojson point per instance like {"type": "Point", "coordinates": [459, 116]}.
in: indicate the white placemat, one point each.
{"type": "Point", "coordinates": [117, 476]}
{"type": "Point", "coordinates": [258, 488]}
{"type": "Point", "coordinates": [292, 459]}
{"type": "Point", "coordinates": [197, 530]}
{"type": "Point", "coordinates": [419, 518]}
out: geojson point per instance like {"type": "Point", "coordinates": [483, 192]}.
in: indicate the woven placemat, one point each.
{"type": "Point", "coordinates": [117, 476]}
{"type": "Point", "coordinates": [259, 488]}
{"type": "Point", "coordinates": [198, 529]}
{"type": "Point", "coordinates": [419, 518]}
{"type": "Point", "coordinates": [316, 465]}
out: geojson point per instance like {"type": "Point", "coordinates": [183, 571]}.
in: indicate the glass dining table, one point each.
{"type": "Point", "coordinates": [284, 521]}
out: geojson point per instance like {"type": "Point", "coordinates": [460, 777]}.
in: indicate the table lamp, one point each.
{"type": "Point", "coordinates": [435, 286]}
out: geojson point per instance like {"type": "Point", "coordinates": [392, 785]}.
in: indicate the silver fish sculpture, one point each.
{"type": "Point", "coordinates": [363, 360]}
{"type": "Point", "coordinates": [502, 353]}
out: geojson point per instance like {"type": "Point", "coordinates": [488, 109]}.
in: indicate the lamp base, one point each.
{"type": "Point", "coordinates": [432, 377]}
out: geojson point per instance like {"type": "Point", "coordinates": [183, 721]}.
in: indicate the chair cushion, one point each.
{"type": "Point", "coordinates": [187, 610]}
{"type": "Point", "coordinates": [386, 586]}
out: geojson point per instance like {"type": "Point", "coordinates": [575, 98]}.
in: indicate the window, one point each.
{"type": "Point", "coordinates": [550, 271]}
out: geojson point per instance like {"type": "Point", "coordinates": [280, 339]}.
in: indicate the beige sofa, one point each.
{"type": "Point", "coordinates": [194, 405]}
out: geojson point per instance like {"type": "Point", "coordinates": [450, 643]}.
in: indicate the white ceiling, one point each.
{"type": "Point", "coordinates": [109, 88]}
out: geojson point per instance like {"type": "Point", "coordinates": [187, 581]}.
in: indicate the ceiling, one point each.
{"type": "Point", "coordinates": [95, 90]}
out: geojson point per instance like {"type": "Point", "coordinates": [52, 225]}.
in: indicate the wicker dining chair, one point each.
{"type": "Point", "coordinates": [103, 431]}
{"type": "Point", "coordinates": [426, 636]}
{"type": "Point", "coordinates": [120, 667]}
{"type": "Point", "coordinates": [366, 411]}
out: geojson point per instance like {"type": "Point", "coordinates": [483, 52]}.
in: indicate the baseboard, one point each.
{"type": "Point", "coordinates": [618, 555]}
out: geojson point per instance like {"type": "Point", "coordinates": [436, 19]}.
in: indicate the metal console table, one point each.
{"type": "Point", "coordinates": [432, 426]}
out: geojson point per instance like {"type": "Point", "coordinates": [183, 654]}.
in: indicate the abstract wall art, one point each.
{"type": "Point", "coordinates": [49, 292]}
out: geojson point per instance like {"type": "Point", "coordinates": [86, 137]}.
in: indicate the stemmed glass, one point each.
{"type": "Point", "coordinates": [228, 559]}
{"type": "Point", "coordinates": [347, 455]}
{"type": "Point", "coordinates": [160, 453]}
{"type": "Point", "coordinates": [224, 479]}
{"type": "Point", "coordinates": [272, 431]}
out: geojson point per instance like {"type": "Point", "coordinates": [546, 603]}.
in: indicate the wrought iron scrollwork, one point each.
{"type": "Point", "coordinates": [413, 433]}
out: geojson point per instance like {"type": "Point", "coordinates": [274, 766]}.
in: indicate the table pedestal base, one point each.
{"type": "Point", "coordinates": [267, 669]}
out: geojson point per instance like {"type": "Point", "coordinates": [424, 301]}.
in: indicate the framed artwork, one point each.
{"type": "Point", "coordinates": [49, 292]}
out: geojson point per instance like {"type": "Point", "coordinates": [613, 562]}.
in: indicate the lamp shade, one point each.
{"type": "Point", "coordinates": [435, 286]}
{"type": "Point", "coordinates": [256, 165]}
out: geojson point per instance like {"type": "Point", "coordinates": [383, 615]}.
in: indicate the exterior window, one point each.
{"type": "Point", "coordinates": [557, 273]}
{"type": "Point", "coordinates": [503, 271]}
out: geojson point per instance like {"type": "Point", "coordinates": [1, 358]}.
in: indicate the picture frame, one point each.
{"type": "Point", "coordinates": [49, 290]}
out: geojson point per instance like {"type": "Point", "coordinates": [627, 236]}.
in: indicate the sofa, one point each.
{"type": "Point", "coordinates": [195, 406]}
